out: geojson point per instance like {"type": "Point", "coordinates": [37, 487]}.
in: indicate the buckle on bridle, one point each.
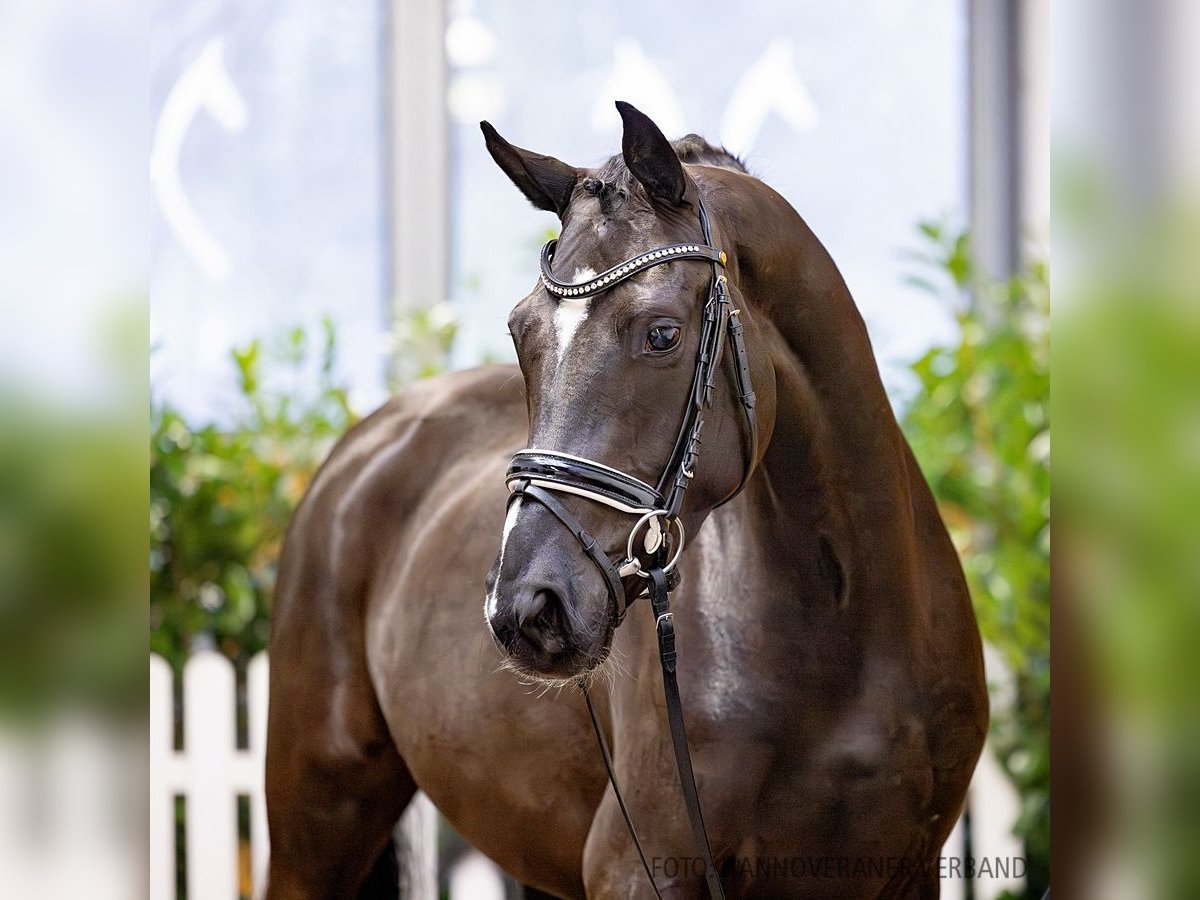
{"type": "Point", "coordinates": [656, 533]}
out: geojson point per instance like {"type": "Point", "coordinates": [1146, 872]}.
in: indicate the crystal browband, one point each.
{"type": "Point", "coordinates": [619, 273]}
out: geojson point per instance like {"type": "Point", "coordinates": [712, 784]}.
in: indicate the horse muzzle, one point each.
{"type": "Point", "coordinates": [550, 616]}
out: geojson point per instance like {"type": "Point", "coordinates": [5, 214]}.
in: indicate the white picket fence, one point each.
{"type": "Point", "coordinates": [211, 773]}
{"type": "Point", "coordinates": [66, 830]}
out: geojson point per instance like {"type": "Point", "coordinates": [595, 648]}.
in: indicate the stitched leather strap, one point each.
{"type": "Point", "coordinates": [612, 779]}
{"type": "Point", "coordinates": [665, 627]}
{"type": "Point", "coordinates": [687, 445]}
{"type": "Point", "coordinates": [745, 387]}
{"type": "Point", "coordinates": [612, 577]}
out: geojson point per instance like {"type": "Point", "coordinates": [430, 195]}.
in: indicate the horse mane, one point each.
{"type": "Point", "coordinates": [615, 179]}
{"type": "Point", "coordinates": [696, 150]}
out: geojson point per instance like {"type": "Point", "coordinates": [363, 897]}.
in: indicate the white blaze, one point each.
{"type": "Point", "coordinates": [510, 520]}
{"type": "Point", "coordinates": [570, 314]}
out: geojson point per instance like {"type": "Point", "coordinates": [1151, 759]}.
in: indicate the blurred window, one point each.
{"type": "Point", "coordinates": [270, 188]}
{"type": "Point", "coordinates": [854, 112]}
{"type": "Point", "coordinates": [271, 156]}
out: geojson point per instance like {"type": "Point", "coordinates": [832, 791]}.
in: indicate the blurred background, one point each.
{"type": "Point", "coordinates": [321, 226]}
{"type": "Point", "coordinates": [327, 227]}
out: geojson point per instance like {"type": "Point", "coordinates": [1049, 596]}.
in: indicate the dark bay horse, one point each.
{"type": "Point", "coordinates": [830, 662]}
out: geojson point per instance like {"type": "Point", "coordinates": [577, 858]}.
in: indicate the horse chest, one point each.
{"type": "Point", "coordinates": [861, 788]}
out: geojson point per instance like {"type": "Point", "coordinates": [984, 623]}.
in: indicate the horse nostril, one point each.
{"type": "Point", "coordinates": [537, 617]}
{"type": "Point", "coordinates": [530, 610]}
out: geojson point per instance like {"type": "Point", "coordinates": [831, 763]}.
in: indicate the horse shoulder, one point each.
{"type": "Point", "coordinates": [361, 501]}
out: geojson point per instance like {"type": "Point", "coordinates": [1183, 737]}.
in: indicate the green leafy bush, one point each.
{"type": "Point", "coordinates": [221, 498]}
{"type": "Point", "coordinates": [980, 428]}
{"type": "Point", "coordinates": [72, 485]}
{"type": "Point", "coordinates": [71, 554]}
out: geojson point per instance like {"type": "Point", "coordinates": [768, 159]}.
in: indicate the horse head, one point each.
{"type": "Point", "coordinates": [610, 372]}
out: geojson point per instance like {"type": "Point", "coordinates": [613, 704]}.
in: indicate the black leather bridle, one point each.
{"type": "Point", "coordinates": [540, 474]}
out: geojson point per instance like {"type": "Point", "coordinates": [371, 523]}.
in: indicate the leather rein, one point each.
{"type": "Point", "coordinates": [539, 475]}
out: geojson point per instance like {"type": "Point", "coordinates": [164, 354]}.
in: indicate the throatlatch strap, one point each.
{"type": "Point", "coordinates": [745, 388]}
{"type": "Point", "coordinates": [612, 779]}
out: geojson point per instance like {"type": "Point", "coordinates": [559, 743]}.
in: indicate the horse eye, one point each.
{"type": "Point", "coordinates": [662, 338]}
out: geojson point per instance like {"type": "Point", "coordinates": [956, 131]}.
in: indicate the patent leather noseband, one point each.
{"type": "Point", "coordinates": [541, 474]}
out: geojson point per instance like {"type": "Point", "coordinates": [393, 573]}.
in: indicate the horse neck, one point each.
{"type": "Point", "coordinates": [836, 465]}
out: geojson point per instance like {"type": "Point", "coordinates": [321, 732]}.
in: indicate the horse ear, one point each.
{"type": "Point", "coordinates": [650, 157]}
{"type": "Point", "coordinates": [544, 180]}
